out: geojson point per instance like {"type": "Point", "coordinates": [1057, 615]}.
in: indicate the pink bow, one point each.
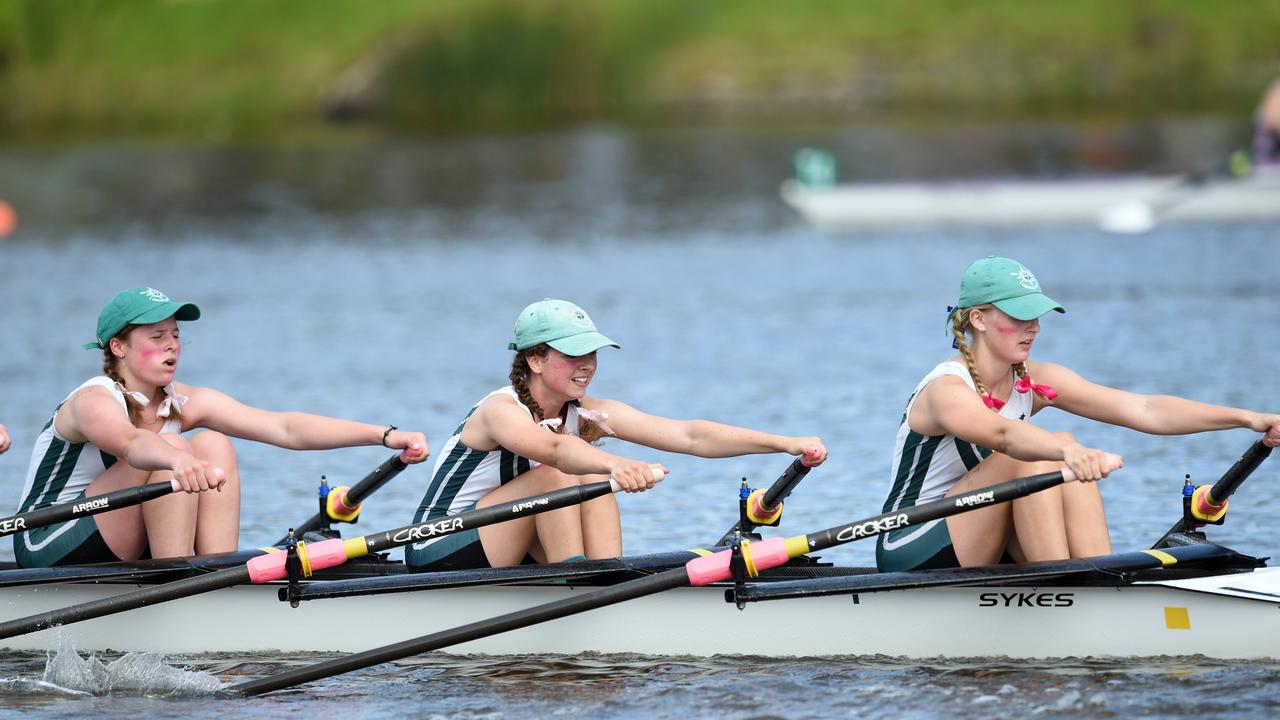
{"type": "Point", "coordinates": [992, 402]}
{"type": "Point", "coordinates": [172, 398]}
{"type": "Point", "coordinates": [1024, 385]}
{"type": "Point", "coordinates": [598, 418]}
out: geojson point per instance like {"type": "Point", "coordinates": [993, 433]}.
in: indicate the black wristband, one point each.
{"type": "Point", "coordinates": [387, 432]}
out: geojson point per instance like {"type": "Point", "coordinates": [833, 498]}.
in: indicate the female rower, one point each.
{"type": "Point", "coordinates": [134, 412]}
{"type": "Point", "coordinates": [965, 428]}
{"type": "Point", "coordinates": [540, 433]}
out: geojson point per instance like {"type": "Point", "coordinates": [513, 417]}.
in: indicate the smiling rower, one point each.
{"type": "Point", "coordinates": [967, 427]}
{"type": "Point", "coordinates": [123, 429]}
{"type": "Point", "coordinates": [540, 434]}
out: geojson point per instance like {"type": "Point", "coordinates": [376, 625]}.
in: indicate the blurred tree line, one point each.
{"type": "Point", "coordinates": [223, 68]}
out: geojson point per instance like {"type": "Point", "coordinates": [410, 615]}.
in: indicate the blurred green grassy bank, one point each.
{"type": "Point", "coordinates": [221, 68]}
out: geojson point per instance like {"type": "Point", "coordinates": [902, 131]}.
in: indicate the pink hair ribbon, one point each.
{"type": "Point", "coordinates": [1024, 385]}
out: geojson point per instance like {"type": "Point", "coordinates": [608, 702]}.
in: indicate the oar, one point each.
{"type": "Point", "coordinates": [765, 507]}
{"type": "Point", "coordinates": [356, 493]}
{"type": "Point", "coordinates": [113, 500]}
{"type": "Point", "coordinates": [1209, 504]}
{"type": "Point", "coordinates": [322, 555]}
{"type": "Point", "coordinates": [757, 556]}
{"type": "Point", "coordinates": [1111, 568]}
{"type": "Point", "coordinates": [1134, 217]}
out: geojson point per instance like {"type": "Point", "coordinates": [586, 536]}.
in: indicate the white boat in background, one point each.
{"type": "Point", "coordinates": [1117, 204]}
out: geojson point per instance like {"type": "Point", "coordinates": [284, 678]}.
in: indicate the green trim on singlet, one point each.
{"type": "Point", "coordinates": [511, 466]}
{"type": "Point", "coordinates": [62, 455]}
{"type": "Point", "coordinates": [451, 489]}
{"type": "Point", "coordinates": [456, 454]}
{"type": "Point", "coordinates": [912, 469]}
{"type": "Point", "coordinates": [970, 453]}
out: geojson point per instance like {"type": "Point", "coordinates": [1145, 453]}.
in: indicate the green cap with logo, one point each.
{"type": "Point", "coordinates": [1006, 284]}
{"type": "Point", "coordinates": [139, 306]}
{"type": "Point", "coordinates": [560, 324]}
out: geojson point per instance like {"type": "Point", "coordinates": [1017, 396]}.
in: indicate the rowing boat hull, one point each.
{"type": "Point", "coordinates": [1001, 202]}
{"type": "Point", "coordinates": [1143, 619]}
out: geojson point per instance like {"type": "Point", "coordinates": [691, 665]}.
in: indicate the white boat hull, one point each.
{"type": "Point", "coordinates": [1001, 202]}
{"type": "Point", "coordinates": [1199, 617]}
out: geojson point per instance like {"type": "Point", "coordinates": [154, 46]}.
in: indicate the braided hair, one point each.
{"type": "Point", "coordinates": [587, 429]}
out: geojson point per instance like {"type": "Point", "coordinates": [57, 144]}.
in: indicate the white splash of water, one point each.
{"type": "Point", "coordinates": [143, 673]}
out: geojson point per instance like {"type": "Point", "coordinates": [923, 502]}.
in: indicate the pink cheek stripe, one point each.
{"type": "Point", "coordinates": [149, 353]}
{"type": "Point", "coordinates": [1006, 329]}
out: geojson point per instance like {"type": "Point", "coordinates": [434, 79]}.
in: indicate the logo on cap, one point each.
{"type": "Point", "coordinates": [154, 295]}
{"type": "Point", "coordinates": [1026, 279]}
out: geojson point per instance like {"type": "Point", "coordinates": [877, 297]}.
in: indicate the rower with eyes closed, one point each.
{"type": "Point", "coordinates": [124, 428]}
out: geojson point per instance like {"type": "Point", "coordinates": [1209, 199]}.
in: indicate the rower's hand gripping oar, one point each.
{"type": "Point", "coordinates": [326, 554]}
{"type": "Point", "coordinates": [82, 507]}
{"type": "Point", "coordinates": [764, 507]}
{"type": "Point", "coordinates": [1208, 504]}
{"type": "Point", "coordinates": [699, 571]}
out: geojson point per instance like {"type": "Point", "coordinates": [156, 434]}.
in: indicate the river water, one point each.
{"type": "Point", "coordinates": [378, 280]}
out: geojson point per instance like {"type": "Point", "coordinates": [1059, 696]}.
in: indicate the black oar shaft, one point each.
{"type": "Point", "coordinates": [777, 492]}
{"type": "Point", "coordinates": [1239, 472]}
{"type": "Point", "coordinates": [129, 601]}
{"type": "Point", "coordinates": [113, 500]}
{"type": "Point", "coordinates": [993, 495]}
{"type": "Point", "coordinates": [358, 492]}
{"type": "Point", "coordinates": [491, 515]}
{"type": "Point", "coordinates": [1221, 490]}
{"type": "Point", "coordinates": [473, 631]}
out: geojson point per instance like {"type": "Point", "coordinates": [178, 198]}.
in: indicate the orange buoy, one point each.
{"type": "Point", "coordinates": [8, 219]}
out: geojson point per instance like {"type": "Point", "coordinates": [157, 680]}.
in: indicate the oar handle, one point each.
{"type": "Point", "coordinates": [113, 500]}
{"type": "Point", "coordinates": [1238, 472]}
{"type": "Point", "coordinates": [657, 471]}
{"type": "Point", "coordinates": [765, 508]}
{"type": "Point", "coordinates": [788, 480]}
{"type": "Point", "coordinates": [358, 492]}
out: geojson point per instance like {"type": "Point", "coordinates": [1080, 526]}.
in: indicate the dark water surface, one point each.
{"type": "Point", "coordinates": [379, 281]}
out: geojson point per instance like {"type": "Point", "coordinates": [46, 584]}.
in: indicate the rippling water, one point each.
{"type": "Point", "coordinates": [727, 307]}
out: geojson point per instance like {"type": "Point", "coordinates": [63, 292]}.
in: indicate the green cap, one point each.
{"type": "Point", "coordinates": [560, 324]}
{"type": "Point", "coordinates": [139, 306]}
{"type": "Point", "coordinates": [1006, 284]}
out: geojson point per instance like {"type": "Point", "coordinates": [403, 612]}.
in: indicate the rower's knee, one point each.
{"type": "Point", "coordinates": [214, 447]}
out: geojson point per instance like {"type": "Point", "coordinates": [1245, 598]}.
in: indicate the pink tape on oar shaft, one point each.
{"type": "Point", "coordinates": [321, 555]}
{"type": "Point", "coordinates": [758, 513]}
{"type": "Point", "coordinates": [715, 568]}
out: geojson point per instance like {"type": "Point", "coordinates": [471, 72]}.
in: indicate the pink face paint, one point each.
{"type": "Point", "coordinates": [148, 352]}
{"type": "Point", "coordinates": [1006, 329]}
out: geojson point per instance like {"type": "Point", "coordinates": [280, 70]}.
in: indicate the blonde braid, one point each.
{"type": "Point", "coordinates": [959, 324]}
{"type": "Point", "coordinates": [587, 430]}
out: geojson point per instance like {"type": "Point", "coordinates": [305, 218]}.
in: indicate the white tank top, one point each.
{"type": "Point", "coordinates": [925, 467]}
{"type": "Point", "coordinates": [462, 475]}
{"type": "Point", "coordinates": [59, 469]}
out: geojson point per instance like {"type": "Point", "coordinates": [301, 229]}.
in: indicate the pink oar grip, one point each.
{"type": "Point", "coordinates": [324, 554]}
{"type": "Point", "coordinates": [177, 486]}
{"type": "Point", "coordinates": [714, 568]}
